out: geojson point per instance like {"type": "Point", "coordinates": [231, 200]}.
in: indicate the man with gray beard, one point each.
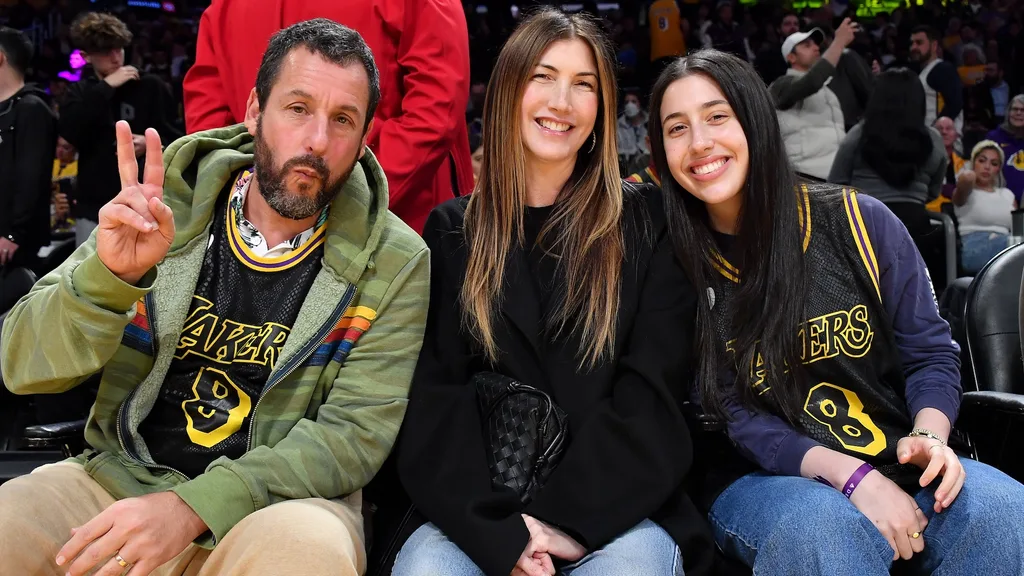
{"type": "Point", "coordinates": [256, 313]}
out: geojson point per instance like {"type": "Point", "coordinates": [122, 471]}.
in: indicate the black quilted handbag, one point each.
{"type": "Point", "coordinates": [526, 432]}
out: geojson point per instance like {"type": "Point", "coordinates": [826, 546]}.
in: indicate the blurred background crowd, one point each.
{"type": "Point", "coordinates": [978, 42]}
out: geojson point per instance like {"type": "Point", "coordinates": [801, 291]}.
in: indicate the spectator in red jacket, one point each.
{"type": "Point", "coordinates": [421, 48]}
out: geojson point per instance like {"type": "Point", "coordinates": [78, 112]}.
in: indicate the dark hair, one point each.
{"type": "Point", "coordinates": [17, 48]}
{"type": "Point", "coordinates": [475, 139]}
{"type": "Point", "coordinates": [768, 307]}
{"type": "Point", "coordinates": [787, 14]}
{"type": "Point", "coordinates": [932, 33]}
{"type": "Point", "coordinates": [895, 142]}
{"type": "Point", "coordinates": [335, 43]}
{"type": "Point", "coordinates": [94, 32]}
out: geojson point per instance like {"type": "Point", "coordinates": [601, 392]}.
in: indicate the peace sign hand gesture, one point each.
{"type": "Point", "coordinates": [135, 228]}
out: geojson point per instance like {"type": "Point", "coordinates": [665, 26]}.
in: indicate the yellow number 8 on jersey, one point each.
{"type": "Point", "coordinates": [842, 412]}
{"type": "Point", "coordinates": [217, 410]}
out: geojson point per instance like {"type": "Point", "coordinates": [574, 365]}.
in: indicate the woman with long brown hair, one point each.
{"type": "Point", "coordinates": [556, 281]}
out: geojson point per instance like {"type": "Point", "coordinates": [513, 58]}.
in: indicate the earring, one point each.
{"type": "Point", "coordinates": [593, 142]}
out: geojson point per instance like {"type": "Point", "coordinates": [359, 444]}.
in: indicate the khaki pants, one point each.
{"type": "Point", "coordinates": [307, 537]}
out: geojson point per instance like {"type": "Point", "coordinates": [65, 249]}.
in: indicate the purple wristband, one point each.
{"type": "Point", "coordinates": [855, 479]}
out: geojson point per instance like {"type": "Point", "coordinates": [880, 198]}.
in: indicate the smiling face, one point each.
{"type": "Point", "coordinates": [559, 106]}
{"type": "Point", "coordinates": [705, 147]}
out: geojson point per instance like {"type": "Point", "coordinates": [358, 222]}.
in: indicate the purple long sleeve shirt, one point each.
{"type": "Point", "coordinates": [930, 358]}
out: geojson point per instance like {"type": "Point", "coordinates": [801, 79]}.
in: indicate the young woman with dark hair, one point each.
{"type": "Point", "coordinates": [822, 349]}
{"type": "Point", "coordinates": [557, 275]}
{"type": "Point", "coordinates": [893, 156]}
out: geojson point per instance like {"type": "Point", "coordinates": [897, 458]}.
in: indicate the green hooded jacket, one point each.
{"type": "Point", "coordinates": [330, 411]}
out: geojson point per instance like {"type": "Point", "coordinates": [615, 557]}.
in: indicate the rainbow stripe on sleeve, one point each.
{"type": "Point", "coordinates": [137, 334]}
{"type": "Point", "coordinates": [343, 337]}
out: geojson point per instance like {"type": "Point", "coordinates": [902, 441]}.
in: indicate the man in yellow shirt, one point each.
{"type": "Point", "coordinates": [667, 40]}
{"type": "Point", "coordinates": [65, 173]}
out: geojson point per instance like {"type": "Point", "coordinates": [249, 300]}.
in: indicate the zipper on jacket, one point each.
{"type": "Point", "coordinates": [122, 432]}
{"type": "Point", "coordinates": [303, 354]}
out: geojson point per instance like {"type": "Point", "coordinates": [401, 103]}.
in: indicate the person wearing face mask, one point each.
{"type": "Point", "coordinates": [631, 135]}
{"type": "Point", "coordinates": [556, 275]}
{"type": "Point", "coordinates": [983, 206]}
{"type": "Point", "coordinates": [822, 353]}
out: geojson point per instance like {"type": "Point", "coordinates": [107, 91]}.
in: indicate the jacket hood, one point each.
{"type": "Point", "coordinates": [198, 168]}
{"type": "Point", "coordinates": [26, 90]}
{"type": "Point", "coordinates": [34, 91]}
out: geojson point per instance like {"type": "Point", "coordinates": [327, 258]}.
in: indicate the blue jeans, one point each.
{"type": "Point", "coordinates": [644, 549]}
{"type": "Point", "coordinates": [786, 525]}
{"type": "Point", "coordinates": [980, 247]}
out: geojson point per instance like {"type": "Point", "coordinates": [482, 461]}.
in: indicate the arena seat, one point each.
{"type": "Point", "coordinates": [58, 251]}
{"type": "Point", "coordinates": [949, 245]}
{"type": "Point", "coordinates": [994, 410]}
{"type": "Point", "coordinates": [14, 284]}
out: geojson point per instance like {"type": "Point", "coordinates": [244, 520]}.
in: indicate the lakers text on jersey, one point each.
{"type": "Point", "coordinates": [241, 314]}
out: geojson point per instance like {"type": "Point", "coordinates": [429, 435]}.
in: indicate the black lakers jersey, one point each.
{"type": "Point", "coordinates": [853, 378]}
{"type": "Point", "coordinates": [241, 313]}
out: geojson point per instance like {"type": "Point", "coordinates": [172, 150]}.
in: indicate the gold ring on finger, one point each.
{"type": "Point", "coordinates": [121, 561]}
{"type": "Point", "coordinates": [915, 535]}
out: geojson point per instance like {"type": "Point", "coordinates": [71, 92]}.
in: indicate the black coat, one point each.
{"type": "Point", "coordinates": [629, 447]}
{"type": "Point", "coordinates": [28, 140]}
{"type": "Point", "coordinates": [87, 119]}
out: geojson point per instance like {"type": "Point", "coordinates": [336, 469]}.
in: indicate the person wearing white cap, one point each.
{"type": "Point", "coordinates": [810, 113]}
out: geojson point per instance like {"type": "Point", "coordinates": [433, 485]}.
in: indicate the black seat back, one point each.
{"type": "Point", "coordinates": [992, 317]}
{"type": "Point", "coordinates": [14, 284]}
{"type": "Point", "coordinates": [62, 250]}
{"type": "Point", "coordinates": [1020, 315]}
